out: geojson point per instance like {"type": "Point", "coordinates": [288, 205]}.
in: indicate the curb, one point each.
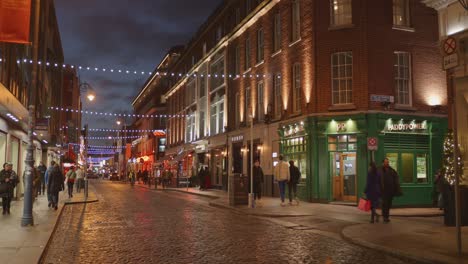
{"type": "Point", "coordinates": [227, 207]}
{"type": "Point", "coordinates": [197, 194]}
{"type": "Point", "coordinates": [390, 251]}
{"type": "Point", "coordinates": [46, 248]}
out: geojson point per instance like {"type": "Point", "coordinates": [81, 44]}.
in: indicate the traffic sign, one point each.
{"type": "Point", "coordinates": [372, 143]}
{"type": "Point", "coordinates": [450, 45]}
{"type": "Point", "coordinates": [450, 61]}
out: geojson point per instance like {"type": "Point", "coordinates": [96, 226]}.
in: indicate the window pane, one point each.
{"type": "Point", "coordinates": [407, 167]}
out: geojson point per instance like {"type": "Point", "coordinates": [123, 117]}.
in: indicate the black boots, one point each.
{"type": "Point", "coordinates": [374, 216]}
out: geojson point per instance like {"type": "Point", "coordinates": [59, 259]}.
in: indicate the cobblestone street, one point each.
{"type": "Point", "coordinates": [142, 226]}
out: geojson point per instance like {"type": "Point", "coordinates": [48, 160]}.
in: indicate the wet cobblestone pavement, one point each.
{"type": "Point", "coordinates": [141, 226]}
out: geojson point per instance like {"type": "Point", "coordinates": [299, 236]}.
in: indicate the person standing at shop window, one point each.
{"type": "Point", "coordinates": [390, 188]}
{"type": "Point", "coordinates": [282, 176]}
{"type": "Point", "coordinates": [295, 175]}
{"type": "Point", "coordinates": [8, 180]}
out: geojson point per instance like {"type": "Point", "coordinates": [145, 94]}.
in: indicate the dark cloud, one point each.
{"type": "Point", "coordinates": [124, 34]}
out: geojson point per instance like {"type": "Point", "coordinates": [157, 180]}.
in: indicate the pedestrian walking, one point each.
{"type": "Point", "coordinates": [79, 179]}
{"type": "Point", "coordinates": [42, 170]}
{"type": "Point", "coordinates": [390, 188]}
{"type": "Point", "coordinates": [295, 175]}
{"type": "Point", "coordinates": [8, 181]}
{"type": "Point", "coordinates": [46, 178]}
{"type": "Point", "coordinates": [139, 176]}
{"type": "Point", "coordinates": [201, 178]}
{"type": "Point", "coordinates": [55, 184]}
{"type": "Point", "coordinates": [70, 179]}
{"type": "Point", "coordinates": [257, 182]}
{"type": "Point", "coordinates": [439, 187]}
{"type": "Point", "coordinates": [373, 190]}
{"type": "Point", "coordinates": [145, 176]}
{"type": "Point", "coordinates": [282, 176]}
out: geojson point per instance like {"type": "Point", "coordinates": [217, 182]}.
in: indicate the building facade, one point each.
{"type": "Point", "coordinates": [151, 146]}
{"type": "Point", "coordinates": [313, 80]}
{"type": "Point", "coordinates": [453, 36]}
{"type": "Point", "coordinates": [15, 80]}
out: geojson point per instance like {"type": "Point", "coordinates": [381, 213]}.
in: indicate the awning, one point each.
{"type": "Point", "coordinates": [181, 156]}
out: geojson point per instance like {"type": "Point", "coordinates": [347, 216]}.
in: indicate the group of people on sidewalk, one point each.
{"type": "Point", "coordinates": [382, 186]}
{"type": "Point", "coordinates": [287, 174]}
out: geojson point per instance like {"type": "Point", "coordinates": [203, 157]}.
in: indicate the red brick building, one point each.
{"type": "Point", "coordinates": [318, 77]}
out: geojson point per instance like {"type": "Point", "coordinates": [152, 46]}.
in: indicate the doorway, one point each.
{"type": "Point", "coordinates": [343, 166]}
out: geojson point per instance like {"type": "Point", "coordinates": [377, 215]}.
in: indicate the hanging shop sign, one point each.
{"type": "Point", "coordinates": [238, 138]}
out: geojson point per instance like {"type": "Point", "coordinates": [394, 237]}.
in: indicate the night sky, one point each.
{"type": "Point", "coordinates": [123, 34]}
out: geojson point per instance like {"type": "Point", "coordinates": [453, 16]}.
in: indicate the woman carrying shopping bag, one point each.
{"type": "Point", "coordinates": [373, 190]}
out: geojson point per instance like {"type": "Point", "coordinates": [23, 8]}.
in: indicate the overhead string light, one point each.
{"type": "Point", "coordinates": [127, 137]}
{"type": "Point", "coordinates": [55, 108]}
{"type": "Point", "coordinates": [116, 70]}
{"type": "Point", "coordinates": [97, 146]}
{"type": "Point", "coordinates": [125, 130]}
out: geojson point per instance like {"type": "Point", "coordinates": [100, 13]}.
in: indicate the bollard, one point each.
{"type": "Point", "coordinates": [86, 189]}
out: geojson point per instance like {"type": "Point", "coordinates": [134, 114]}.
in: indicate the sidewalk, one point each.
{"type": "Point", "coordinates": [415, 233]}
{"type": "Point", "coordinates": [26, 244]}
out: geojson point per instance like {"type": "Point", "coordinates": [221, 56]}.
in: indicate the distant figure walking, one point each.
{"type": "Point", "coordinates": [55, 184]}
{"type": "Point", "coordinates": [70, 178]}
{"type": "Point", "coordinates": [47, 174]}
{"type": "Point", "coordinates": [257, 182]}
{"type": "Point", "coordinates": [373, 190]}
{"type": "Point", "coordinates": [79, 179]}
{"type": "Point", "coordinates": [282, 176]}
{"type": "Point", "coordinates": [42, 170]}
{"type": "Point", "coordinates": [295, 175]}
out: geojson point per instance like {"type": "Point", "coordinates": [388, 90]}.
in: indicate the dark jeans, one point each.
{"type": "Point", "coordinates": [386, 205]}
{"type": "Point", "coordinates": [41, 187]}
{"type": "Point", "coordinates": [257, 188]}
{"type": "Point", "coordinates": [6, 202]}
{"type": "Point", "coordinates": [79, 185]}
{"type": "Point", "coordinates": [292, 188]}
{"type": "Point", "coordinates": [70, 188]}
{"type": "Point", "coordinates": [282, 187]}
{"type": "Point", "coordinates": [54, 198]}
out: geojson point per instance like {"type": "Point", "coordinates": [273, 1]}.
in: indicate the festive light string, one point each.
{"type": "Point", "coordinates": [114, 114]}
{"type": "Point", "coordinates": [125, 130]}
{"type": "Point", "coordinates": [134, 72]}
{"type": "Point", "coordinates": [127, 137]}
{"type": "Point", "coordinates": [97, 146]}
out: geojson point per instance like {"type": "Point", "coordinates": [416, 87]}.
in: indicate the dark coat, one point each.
{"type": "Point", "coordinates": [55, 184]}
{"type": "Point", "coordinates": [294, 174]}
{"type": "Point", "coordinates": [42, 170]}
{"type": "Point", "coordinates": [390, 182]}
{"type": "Point", "coordinates": [257, 175]}
{"type": "Point", "coordinates": [11, 184]}
{"type": "Point", "coordinates": [373, 186]}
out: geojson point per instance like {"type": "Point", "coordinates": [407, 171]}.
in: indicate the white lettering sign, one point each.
{"type": "Point", "coordinates": [403, 127]}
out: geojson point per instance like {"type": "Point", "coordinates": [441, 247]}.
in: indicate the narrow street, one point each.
{"type": "Point", "coordinates": [141, 226]}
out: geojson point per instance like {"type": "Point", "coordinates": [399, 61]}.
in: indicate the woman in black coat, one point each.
{"type": "Point", "coordinates": [55, 185]}
{"type": "Point", "coordinates": [373, 190]}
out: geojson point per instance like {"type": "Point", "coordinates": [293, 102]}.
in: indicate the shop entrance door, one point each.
{"type": "Point", "coordinates": [344, 176]}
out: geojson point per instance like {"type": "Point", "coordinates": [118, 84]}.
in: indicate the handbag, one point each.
{"type": "Point", "coordinates": [4, 188]}
{"type": "Point", "coordinates": [364, 205]}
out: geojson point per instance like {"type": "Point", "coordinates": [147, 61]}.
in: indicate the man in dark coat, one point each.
{"type": "Point", "coordinates": [390, 188]}
{"type": "Point", "coordinates": [8, 180]}
{"type": "Point", "coordinates": [55, 184]}
{"type": "Point", "coordinates": [257, 181]}
{"type": "Point", "coordinates": [295, 175]}
{"type": "Point", "coordinates": [42, 170]}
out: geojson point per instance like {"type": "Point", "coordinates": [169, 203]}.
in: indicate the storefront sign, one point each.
{"type": "Point", "coordinates": [406, 127]}
{"type": "Point", "coordinates": [238, 138]}
{"type": "Point", "coordinates": [293, 129]}
{"type": "Point", "coordinates": [381, 98]}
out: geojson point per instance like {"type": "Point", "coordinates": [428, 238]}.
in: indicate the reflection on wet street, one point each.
{"type": "Point", "coordinates": [135, 225]}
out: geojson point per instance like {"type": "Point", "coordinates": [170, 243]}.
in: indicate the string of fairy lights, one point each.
{"type": "Point", "coordinates": [116, 70]}
{"type": "Point", "coordinates": [61, 109]}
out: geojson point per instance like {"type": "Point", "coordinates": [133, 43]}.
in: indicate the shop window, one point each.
{"type": "Point", "coordinates": [342, 143]}
{"type": "Point", "coordinates": [295, 149]}
{"type": "Point", "coordinates": [407, 160]}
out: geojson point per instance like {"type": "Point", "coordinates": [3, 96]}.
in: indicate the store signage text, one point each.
{"type": "Point", "coordinates": [405, 127]}
{"type": "Point", "coordinates": [293, 129]}
{"type": "Point", "coordinates": [237, 138]}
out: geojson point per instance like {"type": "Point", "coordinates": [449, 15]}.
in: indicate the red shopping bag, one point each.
{"type": "Point", "coordinates": [364, 205]}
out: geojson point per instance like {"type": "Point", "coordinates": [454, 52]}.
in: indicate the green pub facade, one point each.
{"type": "Point", "coordinates": [333, 155]}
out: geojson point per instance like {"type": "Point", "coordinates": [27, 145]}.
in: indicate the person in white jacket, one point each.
{"type": "Point", "coordinates": [281, 173]}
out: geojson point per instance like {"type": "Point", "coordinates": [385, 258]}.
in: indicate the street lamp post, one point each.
{"type": "Point", "coordinates": [91, 95]}
{"type": "Point", "coordinates": [27, 218]}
